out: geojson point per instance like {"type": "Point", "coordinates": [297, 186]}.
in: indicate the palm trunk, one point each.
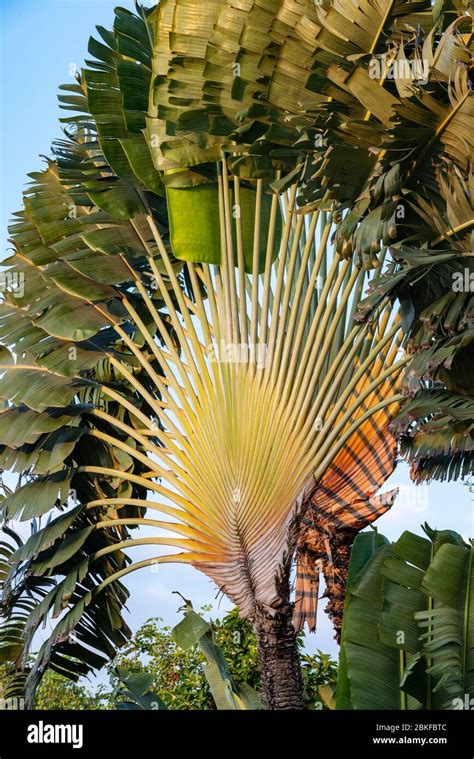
{"type": "Point", "coordinates": [280, 670]}
{"type": "Point", "coordinates": [281, 681]}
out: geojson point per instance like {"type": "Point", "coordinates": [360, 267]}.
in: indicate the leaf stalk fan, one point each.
{"type": "Point", "coordinates": [261, 386]}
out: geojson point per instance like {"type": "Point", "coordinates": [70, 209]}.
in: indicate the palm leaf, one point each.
{"type": "Point", "coordinates": [408, 617]}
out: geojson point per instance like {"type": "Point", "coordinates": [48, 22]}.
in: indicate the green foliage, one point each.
{"type": "Point", "coordinates": [57, 692]}
{"type": "Point", "coordinates": [154, 672]}
{"type": "Point", "coordinates": [319, 673]}
{"type": "Point", "coordinates": [408, 634]}
{"type": "Point", "coordinates": [178, 675]}
{"type": "Point", "coordinates": [237, 640]}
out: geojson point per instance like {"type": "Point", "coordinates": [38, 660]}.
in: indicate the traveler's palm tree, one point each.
{"type": "Point", "coordinates": [227, 397]}
{"type": "Point", "coordinates": [252, 394]}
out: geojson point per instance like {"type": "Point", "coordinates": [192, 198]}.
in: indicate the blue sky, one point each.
{"type": "Point", "coordinates": [39, 41]}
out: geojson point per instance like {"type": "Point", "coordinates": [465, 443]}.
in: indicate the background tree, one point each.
{"type": "Point", "coordinates": [177, 675]}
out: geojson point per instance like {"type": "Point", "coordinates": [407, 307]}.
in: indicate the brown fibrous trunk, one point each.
{"type": "Point", "coordinates": [328, 547]}
{"type": "Point", "coordinates": [277, 644]}
{"type": "Point", "coordinates": [279, 660]}
{"type": "Point", "coordinates": [335, 576]}
{"type": "Point", "coordinates": [281, 681]}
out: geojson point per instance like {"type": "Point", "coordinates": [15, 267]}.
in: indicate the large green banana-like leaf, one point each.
{"type": "Point", "coordinates": [409, 619]}
{"type": "Point", "coordinates": [364, 661]}
{"type": "Point", "coordinates": [134, 691]}
{"type": "Point", "coordinates": [194, 630]}
{"type": "Point", "coordinates": [447, 625]}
